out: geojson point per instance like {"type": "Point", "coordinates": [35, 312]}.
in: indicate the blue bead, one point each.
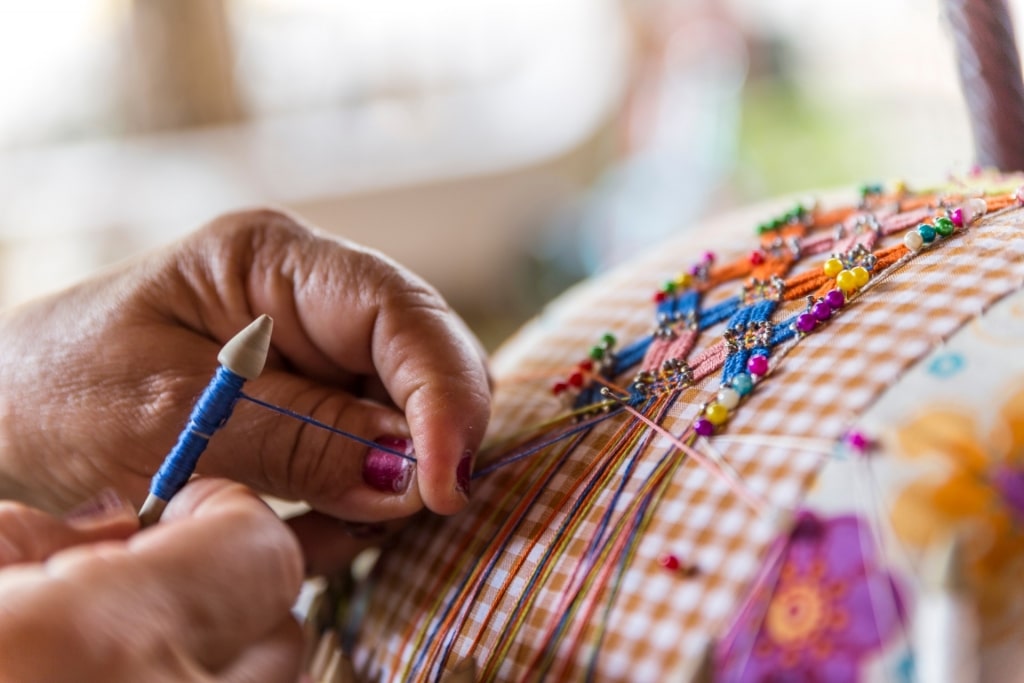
{"type": "Point", "coordinates": [926, 232]}
{"type": "Point", "coordinates": [743, 384]}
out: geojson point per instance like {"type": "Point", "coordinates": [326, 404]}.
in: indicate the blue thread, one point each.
{"type": "Point", "coordinates": [575, 429]}
{"type": "Point", "coordinates": [631, 355]}
{"type": "Point", "coordinates": [717, 313]}
{"type": "Point", "coordinates": [784, 331]}
{"type": "Point", "coordinates": [762, 310]}
{"type": "Point", "coordinates": [329, 428]}
{"type": "Point", "coordinates": [209, 414]}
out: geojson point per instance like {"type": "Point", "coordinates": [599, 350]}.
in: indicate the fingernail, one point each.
{"type": "Point", "coordinates": [106, 505]}
{"type": "Point", "coordinates": [385, 471]}
{"type": "Point", "coordinates": [363, 530]}
{"type": "Point", "coordinates": [463, 473]}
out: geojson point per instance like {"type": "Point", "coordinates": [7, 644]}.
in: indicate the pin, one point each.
{"type": "Point", "coordinates": [241, 359]}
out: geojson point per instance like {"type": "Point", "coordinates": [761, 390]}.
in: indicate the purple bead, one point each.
{"type": "Point", "coordinates": [835, 299]}
{"type": "Point", "coordinates": [703, 427]}
{"type": "Point", "coordinates": [822, 311]}
{"type": "Point", "coordinates": [695, 270]}
{"type": "Point", "coordinates": [806, 322]}
{"type": "Point", "coordinates": [957, 216]}
{"type": "Point", "coordinates": [757, 365]}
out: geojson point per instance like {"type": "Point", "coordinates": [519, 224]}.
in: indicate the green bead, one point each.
{"type": "Point", "coordinates": [596, 353]}
{"type": "Point", "coordinates": [609, 339]}
{"type": "Point", "coordinates": [944, 226]}
{"type": "Point", "coordinates": [778, 223]}
{"type": "Point", "coordinates": [669, 288]}
{"type": "Point", "coordinates": [762, 228]}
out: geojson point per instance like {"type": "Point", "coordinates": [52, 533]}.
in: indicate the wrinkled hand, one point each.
{"type": "Point", "coordinates": [97, 381]}
{"type": "Point", "coordinates": [203, 596]}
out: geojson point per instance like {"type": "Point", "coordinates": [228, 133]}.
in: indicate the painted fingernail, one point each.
{"type": "Point", "coordinates": [385, 471]}
{"type": "Point", "coordinates": [106, 505]}
{"type": "Point", "coordinates": [463, 473]}
{"type": "Point", "coordinates": [363, 530]}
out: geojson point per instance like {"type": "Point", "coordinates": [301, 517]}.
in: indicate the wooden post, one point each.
{"type": "Point", "coordinates": [990, 76]}
{"type": "Point", "coordinates": [181, 70]}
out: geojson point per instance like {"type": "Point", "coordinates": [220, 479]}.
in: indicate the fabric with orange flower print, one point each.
{"type": "Point", "coordinates": [978, 493]}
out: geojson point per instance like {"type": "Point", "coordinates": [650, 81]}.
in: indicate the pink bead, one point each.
{"type": "Point", "coordinates": [957, 216]}
{"type": "Point", "coordinates": [703, 427]}
{"type": "Point", "coordinates": [709, 257]}
{"type": "Point", "coordinates": [858, 441]}
{"type": "Point", "coordinates": [1019, 195]}
{"type": "Point", "coordinates": [757, 365]}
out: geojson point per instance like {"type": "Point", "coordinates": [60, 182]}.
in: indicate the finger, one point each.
{"type": "Point", "coordinates": [219, 571]}
{"type": "Point", "coordinates": [30, 535]}
{"type": "Point", "coordinates": [347, 478]}
{"type": "Point", "coordinates": [274, 658]}
{"type": "Point", "coordinates": [329, 544]}
{"type": "Point", "coordinates": [361, 312]}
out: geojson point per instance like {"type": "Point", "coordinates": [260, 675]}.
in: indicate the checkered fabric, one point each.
{"type": "Point", "coordinates": [659, 621]}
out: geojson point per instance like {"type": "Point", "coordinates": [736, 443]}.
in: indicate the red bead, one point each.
{"type": "Point", "coordinates": [587, 365]}
{"type": "Point", "coordinates": [756, 258]}
{"type": "Point", "coordinates": [669, 562]}
{"type": "Point", "coordinates": [576, 379]}
{"type": "Point", "coordinates": [559, 388]}
{"type": "Point", "coordinates": [660, 297]}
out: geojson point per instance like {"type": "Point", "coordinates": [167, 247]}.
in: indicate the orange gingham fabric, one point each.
{"type": "Point", "coordinates": [661, 620]}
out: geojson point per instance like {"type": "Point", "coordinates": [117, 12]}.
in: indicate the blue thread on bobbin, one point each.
{"type": "Point", "coordinates": [210, 413]}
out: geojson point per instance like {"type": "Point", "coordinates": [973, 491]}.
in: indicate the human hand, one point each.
{"type": "Point", "coordinates": [98, 380]}
{"type": "Point", "coordinates": [203, 596]}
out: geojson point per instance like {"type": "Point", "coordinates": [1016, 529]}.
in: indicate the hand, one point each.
{"type": "Point", "coordinates": [97, 381]}
{"type": "Point", "coordinates": [203, 596]}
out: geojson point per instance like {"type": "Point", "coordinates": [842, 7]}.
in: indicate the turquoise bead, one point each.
{"type": "Point", "coordinates": [927, 233]}
{"type": "Point", "coordinates": [743, 384]}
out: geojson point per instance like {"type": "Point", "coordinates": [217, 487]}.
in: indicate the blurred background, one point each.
{"type": "Point", "coordinates": [502, 149]}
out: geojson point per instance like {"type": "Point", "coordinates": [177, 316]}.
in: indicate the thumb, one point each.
{"type": "Point", "coordinates": [31, 535]}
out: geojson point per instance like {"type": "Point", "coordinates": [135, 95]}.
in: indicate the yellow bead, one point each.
{"type": "Point", "coordinates": [683, 280]}
{"type": "Point", "coordinates": [846, 281]}
{"type": "Point", "coordinates": [716, 414]}
{"type": "Point", "coordinates": [860, 276]}
{"type": "Point", "coordinates": [833, 267]}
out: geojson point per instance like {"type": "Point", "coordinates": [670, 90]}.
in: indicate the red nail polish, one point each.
{"type": "Point", "coordinates": [385, 471]}
{"type": "Point", "coordinates": [463, 473]}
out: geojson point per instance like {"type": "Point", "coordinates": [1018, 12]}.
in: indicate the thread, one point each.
{"type": "Point", "coordinates": [209, 414]}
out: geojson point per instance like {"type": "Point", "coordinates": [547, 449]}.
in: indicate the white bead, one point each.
{"type": "Point", "coordinates": [728, 397]}
{"type": "Point", "coordinates": [913, 241]}
{"type": "Point", "coordinates": [974, 209]}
